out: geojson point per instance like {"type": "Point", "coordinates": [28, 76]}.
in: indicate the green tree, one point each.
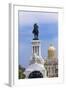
{"type": "Point", "coordinates": [21, 72]}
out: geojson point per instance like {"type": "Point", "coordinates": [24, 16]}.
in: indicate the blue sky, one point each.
{"type": "Point", "coordinates": [48, 33]}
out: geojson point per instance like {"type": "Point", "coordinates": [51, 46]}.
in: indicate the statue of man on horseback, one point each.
{"type": "Point", "coordinates": [35, 32]}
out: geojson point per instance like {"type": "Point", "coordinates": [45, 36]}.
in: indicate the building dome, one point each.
{"type": "Point", "coordinates": [51, 52]}
{"type": "Point", "coordinates": [51, 48]}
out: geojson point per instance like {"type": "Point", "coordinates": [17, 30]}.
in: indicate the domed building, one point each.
{"type": "Point", "coordinates": [51, 62]}
{"type": "Point", "coordinates": [51, 52]}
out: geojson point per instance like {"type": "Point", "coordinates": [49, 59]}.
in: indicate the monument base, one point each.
{"type": "Point", "coordinates": [35, 71]}
{"type": "Point", "coordinates": [36, 67]}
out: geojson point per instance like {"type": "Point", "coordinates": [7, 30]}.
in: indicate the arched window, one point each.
{"type": "Point", "coordinates": [36, 74]}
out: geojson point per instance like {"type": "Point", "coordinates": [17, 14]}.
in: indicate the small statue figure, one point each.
{"type": "Point", "coordinates": [35, 32]}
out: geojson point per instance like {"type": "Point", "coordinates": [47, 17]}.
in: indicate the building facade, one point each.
{"type": "Point", "coordinates": [51, 63]}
